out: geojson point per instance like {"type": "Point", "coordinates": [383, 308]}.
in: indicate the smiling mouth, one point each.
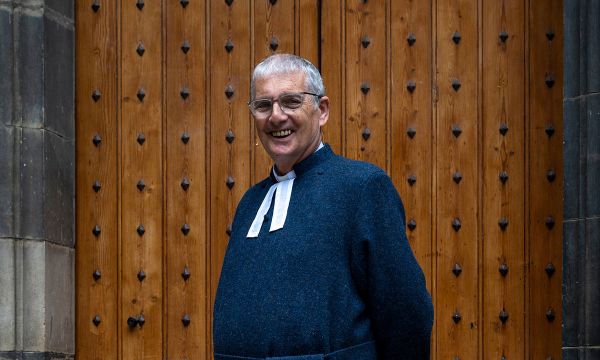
{"type": "Point", "coordinates": [281, 133]}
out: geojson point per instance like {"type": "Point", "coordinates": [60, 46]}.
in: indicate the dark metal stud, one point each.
{"type": "Point", "coordinates": [132, 322]}
{"type": "Point", "coordinates": [550, 315]}
{"type": "Point", "coordinates": [456, 225]}
{"type": "Point", "coordinates": [229, 136]}
{"type": "Point", "coordinates": [366, 133]}
{"type": "Point", "coordinates": [140, 4]}
{"type": "Point", "coordinates": [140, 49]}
{"type": "Point", "coordinates": [551, 175]}
{"type": "Point", "coordinates": [503, 316]}
{"type": "Point", "coordinates": [503, 223]}
{"type": "Point", "coordinates": [412, 179]}
{"type": "Point", "coordinates": [456, 130]}
{"type": "Point", "coordinates": [230, 182]}
{"type": "Point", "coordinates": [503, 269]}
{"type": "Point", "coordinates": [97, 274]}
{"type": "Point", "coordinates": [228, 45]}
{"type": "Point", "coordinates": [228, 230]}
{"type": "Point", "coordinates": [185, 137]}
{"type": "Point", "coordinates": [185, 184]}
{"type": "Point", "coordinates": [140, 230]}
{"type": "Point", "coordinates": [411, 86]}
{"type": "Point", "coordinates": [456, 37]}
{"type": "Point", "coordinates": [364, 87]}
{"type": "Point", "coordinates": [229, 91]}
{"type": "Point", "coordinates": [95, 6]}
{"type": "Point", "coordinates": [96, 139]}
{"type": "Point", "coordinates": [274, 44]}
{"type": "Point", "coordinates": [185, 47]}
{"type": "Point", "coordinates": [184, 93]}
{"type": "Point", "coordinates": [185, 274]}
{"type": "Point", "coordinates": [185, 320]}
{"type": "Point", "coordinates": [457, 177]}
{"type": "Point", "coordinates": [411, 132]}
{"type": "Point", "coordinates": [141, 138]}
{"type": "Point", "coordinates": [549, 222]}
{"type": "Point", "coordinates": [456, 317]}
{"type": "Point", "coordinates": [550, 269]}
{"type": "Point", "coordinates": [185, 229]}
{"type": "Point", "coordinates": [455, 84]}
{"type": "Point", "coordinates": [549, 130]}
{"type": "Point", "coordinates": [96, 320]}
{"type": "Point", "coordinates": [273, 2]}
{"type": "Point", "coordinates": [141, 185]}
{"type": "Point", "coordinates": [141, 94]}
{"type": "Point", "coordinates": [549, 80]}
{"type": "Point", "coordinates": [96, 230]}
{"type": "Point", "coordinates": [456, 270]}
{"type": "Point", "coordinates": [503, 36]}
{"type": "Point", "coordinates": [550, 34]}
{"type": "Point", "coordinates": [184, 3]}
{"type": "Point", "coordinates": [412, 224]}
{"type": "Point", "coordinates": [96, 95]}
{"type": "Point", "coordinates": [411, 39]}
{"type": "Point", "coordinates": [503, 177]}
{"type": "Point", "coordinates": [503, 129]}
{"type": "Point", "coordinates": [365, 41]}
{"type": "Point", "coordinates": [96, 186]}
{"type": "Point", "coordinates": [229, 2]}
{"type": "Point", "coordinates": [141, 275]}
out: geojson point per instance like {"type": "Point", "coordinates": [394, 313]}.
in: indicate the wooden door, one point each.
{"type": "Point", "coordinates": [458, 100]}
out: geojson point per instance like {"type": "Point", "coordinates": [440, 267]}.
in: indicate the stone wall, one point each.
{"type": "Point", "coordinates": [581, 254]}
{"type": "Point", "coordinates": [37, 179]}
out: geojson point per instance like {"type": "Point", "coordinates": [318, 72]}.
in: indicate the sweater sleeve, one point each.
{"type": "Point", "coordinates": [388, 276]}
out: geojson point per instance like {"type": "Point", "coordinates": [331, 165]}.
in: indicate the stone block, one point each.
{"type": "Point", "coordinates": [573, 286]}
{"type": "Point", "coordinates": [571, 49]}
{"type": "Point", "coordinates": [31, 298]}
{"type": "Point", "coordinates": [592, 44]}
{"type": "Point", "coordinates": [7, 295]}
{"type": "Point", "coordinates": [30, 66]}
{"type": "Point", "coordinates": [59, 299]}
{"type": "Point", "coordinates": [59, 189]}
{"type": "Point", "coordinates": [64, 7]}
{"type": "Point", "coordinates": [6, 62]}
{"type": "Point", "coordinates": [570, 354]}
{"type": "Point", "coordinates": [31, 171]}
{"type": "Point", "coordinates": [59, 75]}
{"type": "Point", "coordinates": [572, 159]}
{"type": "Point", "coordinates": [592, 283]}
{"type": "Point", "coordinates": [7, 179]}
{"type": "Point", "coordinates": [592, 157]}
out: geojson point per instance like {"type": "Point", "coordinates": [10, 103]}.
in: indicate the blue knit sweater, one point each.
{"type": "Point", "coordinates": [338, 281]}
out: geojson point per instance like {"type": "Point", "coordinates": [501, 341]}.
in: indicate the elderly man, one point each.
{"type": "Point", "coordinates": [318, 265]}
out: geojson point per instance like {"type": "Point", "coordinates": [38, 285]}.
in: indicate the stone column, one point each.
{"type": "Point", "coordinates": [581, 228]}
{"type": "Point", "coordinates": [37, 188]}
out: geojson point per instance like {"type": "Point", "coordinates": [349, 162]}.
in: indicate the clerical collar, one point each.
{"type": "Point", "coordinates": [283, 193]}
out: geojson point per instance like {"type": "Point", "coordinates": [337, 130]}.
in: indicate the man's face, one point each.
{"type": "Point", "coordinates": [289, 137]}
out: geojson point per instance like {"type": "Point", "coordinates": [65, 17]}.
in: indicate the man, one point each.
{"type": "Point", "coordinates": [318, 265]}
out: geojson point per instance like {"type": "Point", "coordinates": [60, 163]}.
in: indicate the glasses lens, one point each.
{"type": "Point", "coordinates": [261, 107]}
{"type": "Point", "coordinates": [291, 101]}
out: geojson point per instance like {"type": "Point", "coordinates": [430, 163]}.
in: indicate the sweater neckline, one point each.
{"type": "Point", "coordinates": [310, 162]}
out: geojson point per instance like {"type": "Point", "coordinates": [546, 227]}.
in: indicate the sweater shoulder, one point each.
{"type": "Point", "coordinates": [356, 170]}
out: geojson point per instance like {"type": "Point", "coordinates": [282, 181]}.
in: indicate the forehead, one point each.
{"type": "Point", "coordinates": [275, 84]}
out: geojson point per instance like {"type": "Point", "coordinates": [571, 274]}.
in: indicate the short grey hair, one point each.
{"type": "Point", "coordinates": [277, 64]}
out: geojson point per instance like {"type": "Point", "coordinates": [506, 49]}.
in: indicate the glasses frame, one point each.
{"type": "Point", "coordinates": [276, 100]}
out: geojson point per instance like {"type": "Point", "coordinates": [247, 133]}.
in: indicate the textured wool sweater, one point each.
{"type": "Point", "coordinates": [338, 281]}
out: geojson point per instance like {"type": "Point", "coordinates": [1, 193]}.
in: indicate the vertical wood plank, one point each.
{"type": "Point", "coordinates": [96, 69]}
{"type": "Point", "coordinates": [332, 66]}
{"type": "Point", "coordinates": [308, 30]}
{"type": "Point", "coordinates": [545, 196]}
{"type": "Point", "coordinates": [230, 123]}
{"type": "Point", "coordinates": [274, 26]}
{"type": "Point", "coordinates": [457, 204]}
{"type": "Point", "coordinates": [185, 182]}
{"type": "Point", "coordinates": [366, 84]}
{"type": "Point", "coordinates": [503, 218]}
{"type": "Point", "coordinates": [411, 122]}
{"type": "Point", "coordinates": [141, 162]}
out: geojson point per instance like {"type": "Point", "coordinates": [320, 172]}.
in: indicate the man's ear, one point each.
{"type": "Point", "coordinates": [324, 108]}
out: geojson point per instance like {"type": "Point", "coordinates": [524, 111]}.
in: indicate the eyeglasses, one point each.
{"type": "Point", "coordinates": [288, 103]}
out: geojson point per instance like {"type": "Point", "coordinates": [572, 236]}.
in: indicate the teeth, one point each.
{"type": "Point", "coordinates": [281, 133]}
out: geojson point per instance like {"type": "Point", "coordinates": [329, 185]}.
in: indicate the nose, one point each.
{"type": "Point", "coordinates": [277, 113]}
